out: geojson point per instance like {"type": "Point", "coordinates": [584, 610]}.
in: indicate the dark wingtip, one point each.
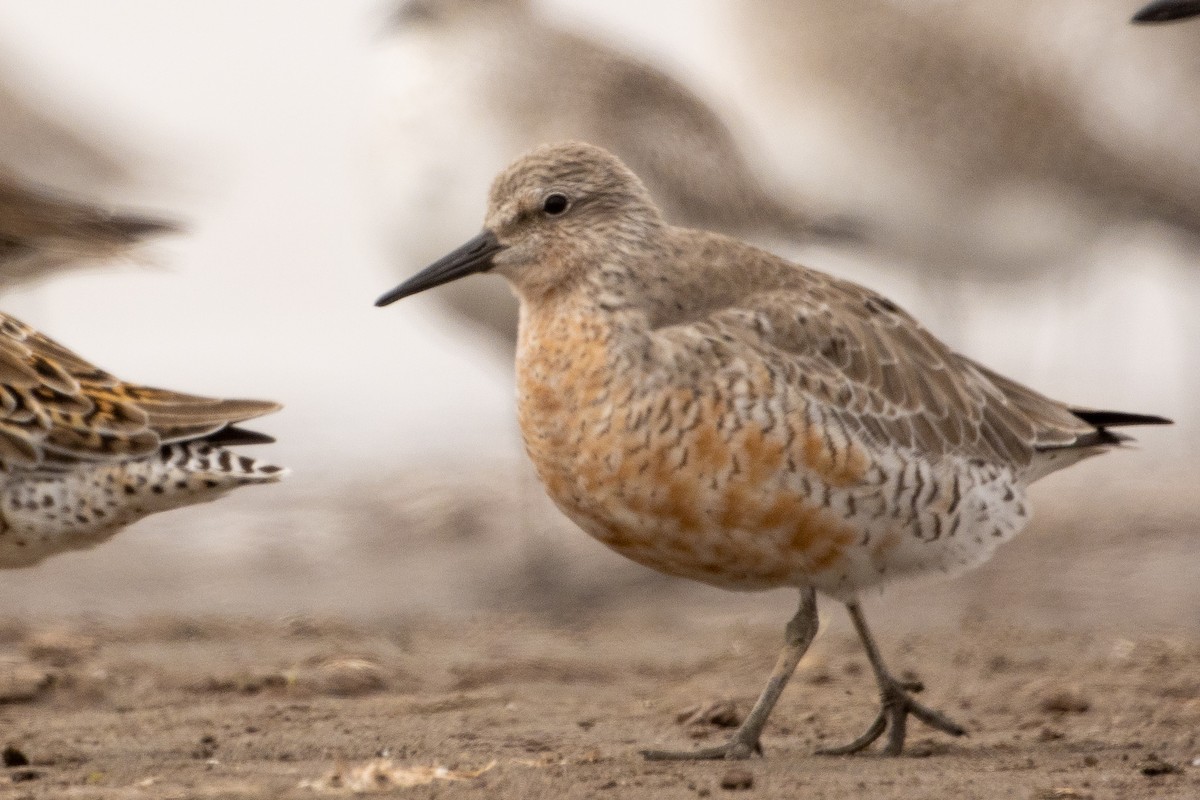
{"type": "Point", "coordinates": [232, 435]}
{"type": "Point", "coordinates": [134, 227]}
{"type": "Point", "coordinates": [1113, 419]}
{"type": "Point", "coordinates": [1167, 11]}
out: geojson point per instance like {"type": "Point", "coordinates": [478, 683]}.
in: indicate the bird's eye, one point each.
{"type": "Point", "coordinates": [555, 203]}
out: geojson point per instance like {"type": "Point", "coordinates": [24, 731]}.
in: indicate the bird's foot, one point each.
{"type": "Point", "coordinates": [738, 748]}
{"type": "Point", "coordinates": [897, 704]}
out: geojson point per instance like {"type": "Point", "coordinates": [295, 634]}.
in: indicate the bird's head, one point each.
{"type": "Point", "coordinates": [554, 214]}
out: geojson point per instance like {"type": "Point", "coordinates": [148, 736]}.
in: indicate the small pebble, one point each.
{"type": "Point", "coordinates": [349, 677]}
{"type": "Point", "coordinates": [720, 713]}
{"type": "Point", "coordinates": [1064, 793]}
{"type": "Point", "coordinates": [14, 758]}
{"type": "Point", "coordinates": [208, 746]}
{"type": "Point", "coordinates": [737, 779]}
{"type": "Point", "coordinates": [1064, 702]}
{"type": "Point", "coordinates": [1049, 735]}
{"type": "Point", "coordinates": [1153, 765]}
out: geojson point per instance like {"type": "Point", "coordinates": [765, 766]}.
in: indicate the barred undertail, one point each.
{"type": "Point", "coordinates": [41, 516]}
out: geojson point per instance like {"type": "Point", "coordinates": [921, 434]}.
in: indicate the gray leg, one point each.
{"type": "Point", "coordinates": [799, 635]}
{"type": "Point", "coordinates": [896, 702]}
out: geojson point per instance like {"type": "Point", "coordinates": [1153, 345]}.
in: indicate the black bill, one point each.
{"type": "Point", "coordinates": [474, 256]}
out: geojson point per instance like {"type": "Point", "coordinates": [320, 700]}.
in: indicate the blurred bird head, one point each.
{"type": "Point", "coordinates": [551, 213]}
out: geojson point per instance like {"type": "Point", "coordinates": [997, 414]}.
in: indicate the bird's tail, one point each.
{"type": "Point", "coordinates": [1103, 420]}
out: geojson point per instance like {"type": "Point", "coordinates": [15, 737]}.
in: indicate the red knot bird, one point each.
{"type": "Point", "coordinates": [518, 79]}
{"type": "Point", "coordinates": [715, 412]}
{"type": "Point", "coordinates": [83, 454]}
{"type": "Point", "coordinates": [1167, 11]}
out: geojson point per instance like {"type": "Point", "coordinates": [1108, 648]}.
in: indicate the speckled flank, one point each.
{"type": "Point", "coordinates": [84, 507]}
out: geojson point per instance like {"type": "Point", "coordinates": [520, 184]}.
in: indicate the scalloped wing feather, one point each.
{"type": "Point", "coordinates": [56, 408]}
{"type": "Point", "coordinates": [874, 367]}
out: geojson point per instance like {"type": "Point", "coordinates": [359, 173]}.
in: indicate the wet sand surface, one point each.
{"type": "Point", "coordinates": [474, 651]}
{"type": "Point", "coordinates": [300, 707]}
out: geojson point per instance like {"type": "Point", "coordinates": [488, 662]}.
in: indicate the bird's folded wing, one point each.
{"type": "Point", "coordinates": [57, 409]}
{"type": "Point", "coordinates": [872, 367]}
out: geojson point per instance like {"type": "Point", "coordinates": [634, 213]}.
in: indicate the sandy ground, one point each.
{"type": "Point", "coordinates": [302, 707]}
{"type": "Point", "coordinates": [459, 636]}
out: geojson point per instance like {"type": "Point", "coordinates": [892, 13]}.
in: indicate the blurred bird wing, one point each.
{"type": "Point", "coordinates": [57, 409]}
{"type": "Point", "coordinates": [41, 231]}
{"type": "Point", "coordinates": [877, 370]}
{"type": "Point", "coordinates": [691, 162]}
{"type": "Point", "coordinates": [48, 144]}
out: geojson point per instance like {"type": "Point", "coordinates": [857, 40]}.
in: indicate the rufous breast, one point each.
{"type": "Point", "coordinates": [691, 480]}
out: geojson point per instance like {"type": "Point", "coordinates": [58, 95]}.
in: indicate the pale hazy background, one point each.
{"type": "Point", "coordinates": [257, 123]}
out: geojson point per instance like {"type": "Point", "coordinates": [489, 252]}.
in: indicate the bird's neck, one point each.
{"type": "Point", "coordinates": [562, 332]}
{"type": "Point", "coordinates": [572, 343]}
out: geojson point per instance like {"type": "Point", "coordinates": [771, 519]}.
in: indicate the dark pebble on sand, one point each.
{"type": "Point", "coordinates": [14, 757]}
{"type": "Point", "coordinates": [737, 779]}
{"type": "Point", "coordinates": [1153, 765]}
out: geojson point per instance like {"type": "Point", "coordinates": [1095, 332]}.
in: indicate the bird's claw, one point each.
{"type": "Point", "coordinates": [896, 705]}
{"type": "Point", "coordinates": [736, 749]}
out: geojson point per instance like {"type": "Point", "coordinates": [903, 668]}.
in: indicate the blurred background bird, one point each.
{"type": "Point", "coordinates": [1023, 156]}
{"type": "Point", "coordinates": [42, 146]}
{"type": "Point", "coordinates": [521, 79]}
{"type": "Point", "coordinates": [43, 232]}
{"type": "Point", "coordinates": [966, 129]}
{"type": "Point", "coordinates": [48, 165]}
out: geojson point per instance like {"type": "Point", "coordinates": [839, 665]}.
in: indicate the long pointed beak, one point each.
{"type": "Point", "coordinates": [474, 256]}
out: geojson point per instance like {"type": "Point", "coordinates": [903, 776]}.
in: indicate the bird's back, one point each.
{"type": "Point", "coordinates": [851, 351]}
